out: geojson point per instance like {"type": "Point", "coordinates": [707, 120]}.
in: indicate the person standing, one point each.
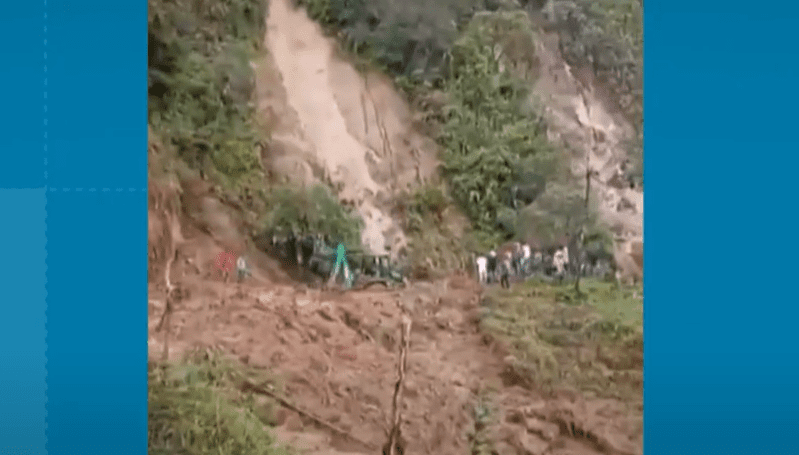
{"type": "Point", "coordinates": [341, 264]}
{"type": "Point", "coordinates": [242, 269]}
{"type": "Point", "coordinates": [504, 273]}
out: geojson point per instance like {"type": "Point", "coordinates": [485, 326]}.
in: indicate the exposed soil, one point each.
{"type": "Point", "coordinates": [337, 353]}
{"type": "Point", "coordinates": [333, 123]}
{"type": "Point", "coordinates": [580, 119]}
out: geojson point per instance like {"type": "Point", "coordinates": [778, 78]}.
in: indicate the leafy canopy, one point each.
{"type": "Point", "coordinates": [201, 83]}
{"type": "Point", "coordinates": [312, 210]}
{"type": "Point", "coordinates": [489, 137]}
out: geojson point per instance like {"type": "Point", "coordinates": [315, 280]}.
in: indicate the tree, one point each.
{"type": "Point", "coordinates": [560, 210]}
{"type": "Point", "coordinates": [313, 210]}
{"type": "Point", "coordinates": [488, 136]}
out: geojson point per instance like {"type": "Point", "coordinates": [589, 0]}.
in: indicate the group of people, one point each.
{"type": "Point", "coordinates": [519, 261]}
{"type": "Point", "coordinates": [512, 261]}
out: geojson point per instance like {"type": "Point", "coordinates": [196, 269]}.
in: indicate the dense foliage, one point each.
{"type": "Point", "coordinates": [606, 35]}
{"type": "Point", "coordinates": [492, 134]}
{"type": "Point", "coordinates": [426, 204]}
{"type": "Point", "coordinates": [410, 38]}
{"type": "Point", "coordinates": [201, 83]}
{"type": "Point", "coordinates": [481, 53]}
{"type": "Point", "coordinates": [196, 408]}
{"type": "Point", "coordinates": [312, 210]}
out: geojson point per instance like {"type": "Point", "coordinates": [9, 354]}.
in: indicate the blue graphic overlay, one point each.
{"type": "Point", "coordinates": [74, 277]}
{"type": "Point", "coordinates": [97, 92]}
{"type": "Point", "coordinates": [97, 322]}
{"type": "Point", "coordinates": [22, 114]}
{"type": "Point", "coordinates": [720, 148]}
{"type": "Point", "coordinates": [23, 392]}
{"type": "Point", "coordinates": [721, 374]}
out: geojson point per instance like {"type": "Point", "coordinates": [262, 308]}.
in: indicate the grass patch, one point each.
{"type": "Point", "coordinates": [196, 407]}
{"type": "Point", "coordinates": [620, 306]}
{"type": "Point", "coordinates": [484, 415]}
{"type": "Point", "coordinates": [592, 341]}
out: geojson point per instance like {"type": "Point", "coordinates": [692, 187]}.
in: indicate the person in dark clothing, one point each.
{"type": "Point", "coordinates": [307, 249]}
{"type": "Point", "coordinates": [291, 249]}
{"type": "Point", "coordinates": [492, 266]}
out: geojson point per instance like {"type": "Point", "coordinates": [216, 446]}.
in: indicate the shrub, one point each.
{"type": "Point", "coordinates": [488, 137]}
{"type": "Point", "coordinates": [195, 408]}
{"type": "Point", "coordinates": [313, 210]}
{"type": "Point", "coordinates": [424, 206]}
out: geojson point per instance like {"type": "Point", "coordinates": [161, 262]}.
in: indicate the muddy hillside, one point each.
{"type": "Point", "coordinates": [444, 365]}
{"type": "Point", "coordinates": [334, 123]}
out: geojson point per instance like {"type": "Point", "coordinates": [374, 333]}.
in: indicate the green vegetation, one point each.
{"type": "Point", "coordinates": [197, 407]}
{"type": "Point", "coordinates": [491, 133]}
{"type": "Point", "coordinates": [562, 209]}
{"type": "Point", "coordinates": [312, 210]}
{"type": "Point", "coordinates": [606, 35]}
{"type": "Point", "coordinates": [593, 341]}
{"type": "Point", "coordinates": [427, 203]}
{"type": "Point", "coordinates": [491, 129]}
{"type": "Point", "coordinates": [409, 39]}
{"type": "Point", "coordinates": [436, 244]}
{"type": "Point", "coordinates": [201, 84]}
{"type": "Point", "coordinates": [481, 54]}
{"type": "Point", "coordinates": [485, 414]}
{"type": "Point", "coordinates": [201, 109]}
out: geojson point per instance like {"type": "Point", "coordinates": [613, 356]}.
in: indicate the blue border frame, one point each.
{"type": "Point", "coordinates": [720, 352]}
{"type": "Point", "coordinates": [721, 370]}
{"type": "Point", "coordinates": [74, 329]}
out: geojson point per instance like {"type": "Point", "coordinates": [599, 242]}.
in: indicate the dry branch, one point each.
{"type": "Point", "coordinates": [171, 255]}
{"type": "Point", "coordinates": [395, 444]}
{"type": "Point", "coordinates": [248, 386]}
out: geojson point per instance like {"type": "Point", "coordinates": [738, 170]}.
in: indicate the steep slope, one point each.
{"type": "Point", "coordinates": [331, 123]}
{"type": "Point", "coordinates": [337, 353]}
{"type": "Point", "coordinates": [581, 119]}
